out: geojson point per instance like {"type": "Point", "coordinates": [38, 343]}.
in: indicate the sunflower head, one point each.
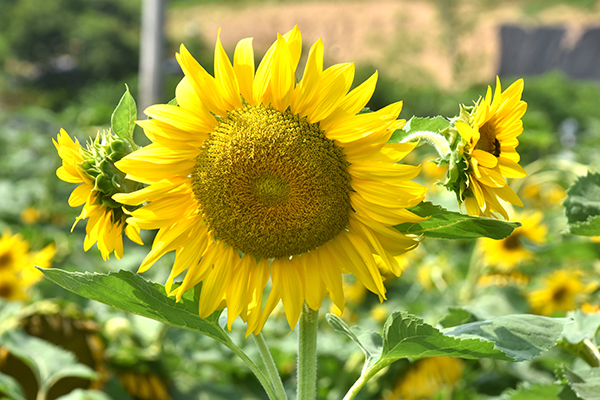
{"type": "Point", "coordinates": [256, 178]}
{"type": "Point", "coordinates": [506, 254]}
{"type": "Point", "coordinates": [563, 290]}
{"type": "Point", "coordinates": [93, 167]}
{"type": "Point", "coordinates": [485, 151]}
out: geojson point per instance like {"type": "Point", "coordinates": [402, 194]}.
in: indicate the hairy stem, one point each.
{"type": "Point", "coordinates": [270, 365]}
{"type": "Point", "coordinates": [307, 354]}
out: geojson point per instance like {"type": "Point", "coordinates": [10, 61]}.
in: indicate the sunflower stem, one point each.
{"type": "Point", "coordinates": [307, 354]}
{"type": "Point", "coordinates": [270, 365]}
{"type": "Point", "coordinates": [436, 140]}
{"type": "Point", "coordinates": [264, 381]}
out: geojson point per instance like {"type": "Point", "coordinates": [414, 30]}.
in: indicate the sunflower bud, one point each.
{"type": "Point", "coordinates": [94, 167]}
{"type": "Point", "coordinates": [99, 164]}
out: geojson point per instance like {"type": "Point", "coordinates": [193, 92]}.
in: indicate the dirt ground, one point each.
{"type": "Point", "coordinates": [418, 41]}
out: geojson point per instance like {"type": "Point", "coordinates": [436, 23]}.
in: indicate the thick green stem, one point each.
{"type": "Point", "coordinates": [264, 381]}
{"type": "Point", "coordinates": [307, 354]}
{"type": "Point", "coordinates": [270, 365]}
{"type": "Point", "coordinates": [436, 140]}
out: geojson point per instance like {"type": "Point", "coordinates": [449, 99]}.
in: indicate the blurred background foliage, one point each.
{"type": "Point", "coordinates": [64, 64]}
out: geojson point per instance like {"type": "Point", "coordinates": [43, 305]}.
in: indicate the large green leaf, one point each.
{"type": "Point", "coordinates": [585, 382]}
{"type": "Point", "coordinates": [521, 337]}
{"type": "Point", "coordinates": [444, 224]}
{"type": "Point", "coordinates": [584, 326]}
{"type": "Point", "coordinates": [582, 206]}
{"type": "Point", "coordinates": [405, 335]}
{"type": "Point", "coordinates": [122, 120]}
{"type": "Point", "coordinates": [10, 387]}
{"type": "Point", "coordinates": [48, 362]}
{"type": "Point", "coordinates": [130, 292]}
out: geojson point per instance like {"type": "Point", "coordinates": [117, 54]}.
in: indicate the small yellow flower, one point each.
{"type": "Point", "coordinates": [502, 279]}
{"type": "Point", "coordinates": [253, 177]}
{"type": "Point", "coordinates": [17, 265]}
{"type": "Point", "coordinates": [563, 291]}
{"type": "Point", "coordinates": [427, 377]}
{"type": "Point", "coordinates": [379, 313]}
{"type": "Point", "coordinates": [489, 138]}
{"type": "Point", "coordinates": [506, 254]}
{"type": "Point", "coordinates": [93, 168]}
{"type": "Point", "coordinates": [30, 215]}
{"type": "Point", "coordinates": [588, 308]}
{"type": "Point", "coordinates": [544, 195]}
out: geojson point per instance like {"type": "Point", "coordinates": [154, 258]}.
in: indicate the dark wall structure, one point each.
{"type": "Point", "coordinates": [533, 51]}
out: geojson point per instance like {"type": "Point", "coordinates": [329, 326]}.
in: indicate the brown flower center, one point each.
{"type": "Point", "coordinates": [487, 139]}
{"type": "Point", "coordinates": [270, 184]}
{"type": "Point", "coordinates": [6, 259]}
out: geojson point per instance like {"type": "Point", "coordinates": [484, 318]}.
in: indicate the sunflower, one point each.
{"type": "Point", "coordinates": [563, 291]}
{"type": "Point", "coordinates": [506, 254]}
{"type": "Point", "coordinates": [17, 265]}
{"type": "Point", "coordinates": [254, 178]}
{"type": "Point", "coordinates": [489, 138]}
{"type": "Point", "coordinates": [93, 167]}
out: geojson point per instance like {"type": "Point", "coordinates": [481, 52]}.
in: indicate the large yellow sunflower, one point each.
{"type": "Point", "coordinates": [97, 177]}
{"type": "Point", "coordinates": [254, 177]}
{"type": "Point", "coordinates": [489, 138]}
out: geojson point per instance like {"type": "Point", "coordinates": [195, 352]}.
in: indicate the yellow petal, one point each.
{"type": "Point", "coordinates": [206, 86]}
{"type": "Point", "coordinates": [485, 159]}
{"type": "Point", "coordinates": [225, 76]}
{"type": "Point", "coordinates": [243, 65]}
{"type": "Point", "coordinates": [287, 277]}
{"type": "Point", "coordinates": [282, 75]}
{"type": "Point", "coordinates": [213, 289]}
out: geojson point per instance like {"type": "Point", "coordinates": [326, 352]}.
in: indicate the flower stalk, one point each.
{"type": "Point", "coordinates": [436, 140]}
{"type": "Point", "coordinates": [272, 371]}
{"type": "Point", "coordinates": [307, 354]}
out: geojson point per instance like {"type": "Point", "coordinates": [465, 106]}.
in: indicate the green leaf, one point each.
{"type": "Point", "coordinates": [534, 392]}
{"type": "Point", "coordinates": [10, 387]}
{"type": "Point", "coordinates": [80, 394]}
{"type": "Point", "coordinates": [122, 120]}
{"type": "Point", "coordinates": [130, 292]}
{"type": "Point", "coordinates": [585, 382]}
{"type": "Point", "coordinates": [444, 224]}
{"type": "Point", "coordinates": [457, 316]}
{"type": "Point", "coordinates": [582, 206]}
{"type": "Point", "coordinates": [520, 336]}
{"type": "Point", "coordinates": [48, 362]}
{"type": "Point", "coordinates": [405, 335]}
{"type": "Point", "coordinates": [370, 343]}
{"type": "Point", "coordinates": [584, 326]}
{"type": "Point", "coordinates": [416, 124]}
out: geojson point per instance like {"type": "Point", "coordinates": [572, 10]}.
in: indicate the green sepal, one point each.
{"type": "Point", "coordinates": [122, 120]}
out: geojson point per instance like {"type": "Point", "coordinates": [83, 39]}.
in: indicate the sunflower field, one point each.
{"type": "Point", "coordinates": [284, 226]}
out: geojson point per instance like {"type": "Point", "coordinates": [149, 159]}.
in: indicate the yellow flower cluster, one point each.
{"type": "Point", "coordinates": [17, 265]}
